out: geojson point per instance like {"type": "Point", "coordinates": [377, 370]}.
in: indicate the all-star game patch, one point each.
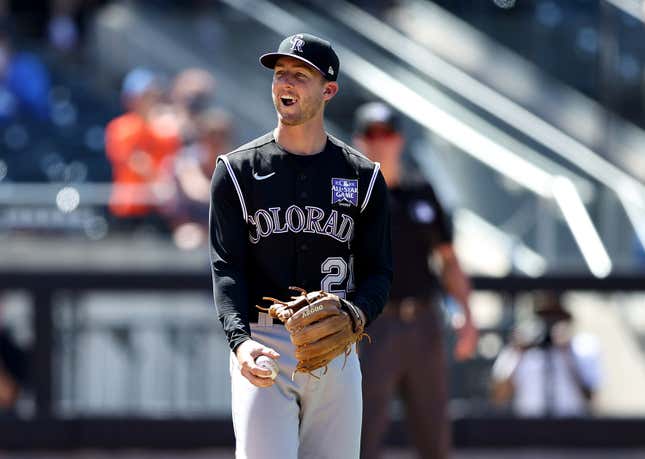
{"type": "Point", "coordinates": [344, 191]}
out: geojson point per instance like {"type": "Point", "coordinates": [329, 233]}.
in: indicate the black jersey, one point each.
{"type": "Point", "coordinates": [419, 225]}
{"type": "Point", "coordinates": [320, 222]}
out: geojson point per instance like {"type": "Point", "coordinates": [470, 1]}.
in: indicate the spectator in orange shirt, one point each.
{"type": "Point", "coordinates": [139, 143]}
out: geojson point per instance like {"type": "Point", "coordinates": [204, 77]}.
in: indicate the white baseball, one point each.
{"type": "Point", "coordinates": [268, 363]}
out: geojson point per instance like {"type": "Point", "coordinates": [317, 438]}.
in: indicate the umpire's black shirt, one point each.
{"type": "Point", "coordinates": [320, 222]}
{"type": "Point", "coordinates": [419, 225]}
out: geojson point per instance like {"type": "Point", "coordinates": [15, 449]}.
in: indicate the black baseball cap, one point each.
{"type": "Point", "coordinates": [374, 113]}
{"type": "Point", "coordinates": [310, 49]}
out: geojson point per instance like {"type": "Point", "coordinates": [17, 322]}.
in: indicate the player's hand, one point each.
{"type": "Point", "coordinates": [467, 337]}
{"type": "Point", "coordinates": [246, 354]}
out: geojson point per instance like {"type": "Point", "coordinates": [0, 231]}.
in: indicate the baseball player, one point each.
{"type": "Point", "coordinates": [296, 207]}
{"type": "Point", "coordinates": [407, 354]}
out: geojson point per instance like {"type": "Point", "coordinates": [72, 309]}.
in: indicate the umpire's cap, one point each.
{"type": "Point", "coordinates": [310, 49]}
{"type": "Point", "coordinates": [373, 113]}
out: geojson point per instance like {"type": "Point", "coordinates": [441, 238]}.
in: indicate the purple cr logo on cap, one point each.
{"type": "Point", "coordinates": [311, 50]}
{"type": "Point", "coordinates": [296, 43]}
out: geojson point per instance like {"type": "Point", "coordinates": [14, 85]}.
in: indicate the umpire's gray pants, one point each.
{"type": "Point", "coordinates": [306, 418]}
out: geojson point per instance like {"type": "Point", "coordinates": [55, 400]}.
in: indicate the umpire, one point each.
{"type": "Point", "coordinates": [407, 353]}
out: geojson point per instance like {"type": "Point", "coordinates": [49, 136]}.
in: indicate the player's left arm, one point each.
{"type": "Point", "coordinates": [373, 253]}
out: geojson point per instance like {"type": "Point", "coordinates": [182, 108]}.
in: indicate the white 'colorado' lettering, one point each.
{"type": "Point", "coordinates": [264, 223]}
{"type": "Point", "coordinates": [331, 224]}
{"type": "Point", "coordinates": [295, 227]}
{"type": "Point", "coordinates": [276, 221]}
{"type": "Point", "coordinates": [267, 228]}
{"type": "Point", "coordinates": [314, 216]}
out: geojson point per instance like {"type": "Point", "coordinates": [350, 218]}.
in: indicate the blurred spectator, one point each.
{"type": "Point", "coordinates": [193, 92]}
{"type": "Point", "coordinates": [61, 23]}
{"type": "Point", "coordinates": [62, 30]}
{"type": "Point", "coordinates": [139, 145]}
{"type": "Point", "coordinates": [8, 388]}
{"type": "Point", "coordinates": [67, 22]}
{"type": "Point", "coordinates": [13, 371]}
{"type": "Point", "coordinates": [24, 82]}
{"type": "Point", "coordinates": [546, 370]}
{"type": "Point", "coordinates": [192, 172]}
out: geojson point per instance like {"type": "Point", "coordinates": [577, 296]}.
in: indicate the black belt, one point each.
{"type": "Point", "coordinates": [408, 308]}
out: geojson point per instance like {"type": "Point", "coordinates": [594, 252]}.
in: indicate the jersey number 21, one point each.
{"type": "Point", "coordinates": [337, 272]}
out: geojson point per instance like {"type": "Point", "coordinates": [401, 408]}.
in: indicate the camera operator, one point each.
{"type": "Point", "coordinates": [547, 370]}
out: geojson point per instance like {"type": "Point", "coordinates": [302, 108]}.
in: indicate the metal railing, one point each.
{"type": "Point", "coordinates": [47, 429]}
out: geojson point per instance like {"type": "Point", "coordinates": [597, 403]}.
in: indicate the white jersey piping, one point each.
{"type": "Point", "coordinates": [245, 214]}
{"type": "Point", "coordinates": [377, 167]}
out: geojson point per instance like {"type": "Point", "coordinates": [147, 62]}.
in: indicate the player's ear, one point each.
{"type": "Point", "coordinates": [329, 90]}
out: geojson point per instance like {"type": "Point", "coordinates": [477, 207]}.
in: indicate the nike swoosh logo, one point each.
{"type": "Point", "coordinates": [262, 177]}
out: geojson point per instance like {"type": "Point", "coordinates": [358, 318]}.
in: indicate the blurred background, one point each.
{"type": "Point", "coordinates": [527, 116]}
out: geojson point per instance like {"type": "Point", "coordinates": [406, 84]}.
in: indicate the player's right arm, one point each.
{"type": "Point", "coordinates": [227, 238]}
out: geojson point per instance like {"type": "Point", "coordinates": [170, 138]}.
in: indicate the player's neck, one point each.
{"type": "Point", "coordinates": [303, 139]}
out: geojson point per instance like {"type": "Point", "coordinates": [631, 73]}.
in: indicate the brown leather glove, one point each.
{"type": "Point", "coordinates": [322, 326]}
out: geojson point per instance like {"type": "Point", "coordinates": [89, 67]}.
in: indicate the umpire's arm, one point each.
{"type": "Point", "coordinates": [373, 253]}
{"type": "Point", "coordinates": [227, 252]}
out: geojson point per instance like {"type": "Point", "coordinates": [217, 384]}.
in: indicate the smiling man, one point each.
{"type": "Point", "coordinates": [297, 207]}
